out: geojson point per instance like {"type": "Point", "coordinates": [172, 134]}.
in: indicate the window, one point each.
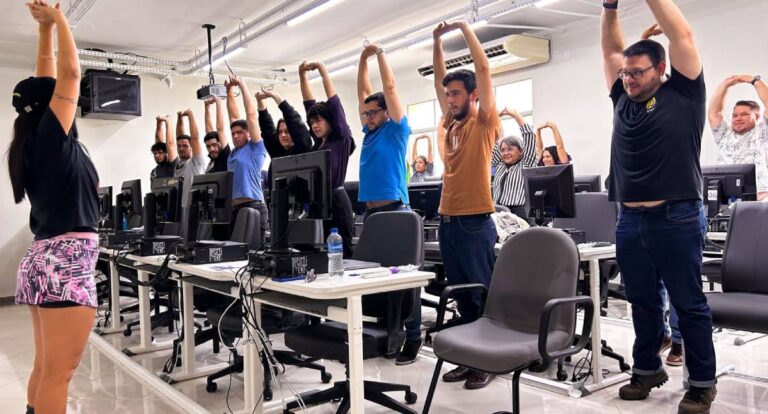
{"type": "Point", "coordinates": [519, 96]}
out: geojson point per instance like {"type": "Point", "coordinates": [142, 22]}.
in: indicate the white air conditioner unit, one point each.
{"type": "Point", "coordinates": [504, 55]}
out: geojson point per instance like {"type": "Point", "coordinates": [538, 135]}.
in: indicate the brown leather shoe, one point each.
{"type": "Point", "coordinates": [457, 374]}
{"type": "Point", "coordinates": [675, 356]}
{"type": "Point", "coordinates": [478, 380]}
{"type": "Point", "coordinates": [665, 344]}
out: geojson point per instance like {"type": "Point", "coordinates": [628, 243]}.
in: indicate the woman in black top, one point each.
{"type": "Point", "coordinates": [48, 165]}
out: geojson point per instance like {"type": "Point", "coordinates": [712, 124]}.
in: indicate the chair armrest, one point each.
{"type": "Point", "coordinates": [450, 292]}
{"type": "Point", "coordinates": [546, 316]}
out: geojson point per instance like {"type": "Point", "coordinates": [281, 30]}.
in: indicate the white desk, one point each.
{"type": "Point", "coordinates": [343, 301]}
{"type": "Point", "coordinates": [145, 324]}
{"type": "Point", "coordinates": [114, 292]}
{"type": "Point", "coordinates": [593, 255]}
{"type": "Point", "coordinates": [717, 236]}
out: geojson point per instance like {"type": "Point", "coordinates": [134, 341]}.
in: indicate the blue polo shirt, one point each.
{"type": "Point", "coordinates": [382, 162]}
{"type": "Point", "coordinates": [246, 162]}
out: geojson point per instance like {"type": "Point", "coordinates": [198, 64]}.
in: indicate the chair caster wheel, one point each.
{"type": "Point", "coordinates": [267, 395]}
{"type": "Point", "coordinates": [127, 332]}
{"type": "Point", "coordinates": [326, 377]}
{"type": "Point", "coordinates": [211, 387]}
{"type": "Point", "coordinates": [739, 341]}
{"type": "Point", "coordinates": [411, 397]}
{"type": "Point", "coordinates": [562, 375]}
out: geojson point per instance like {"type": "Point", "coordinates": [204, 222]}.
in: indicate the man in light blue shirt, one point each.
{"type": "Point", "coordinates": [383, 185]}
{"type": "Point", "coordinates": [248, 157]}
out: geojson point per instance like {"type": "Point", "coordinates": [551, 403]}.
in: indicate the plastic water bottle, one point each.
{"type": "Point", "coordinates": [335, 254]}
{"type": "Point", "coordinates": [124, 222]}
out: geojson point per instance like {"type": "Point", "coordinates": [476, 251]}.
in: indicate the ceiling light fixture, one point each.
{"type": "Point", "coordinates": [544, 3]}
{"type": "Point", "coordinates": [312, 12]}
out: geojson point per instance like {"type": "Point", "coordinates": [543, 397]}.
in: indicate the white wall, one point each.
{"type": "Point", "coordinates": [569, 90]}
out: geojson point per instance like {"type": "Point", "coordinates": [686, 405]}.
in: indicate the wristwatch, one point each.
{"type": "Point", "coordinates": [612, 6]}
{"type": "Point", "coordinates": [755, 79]}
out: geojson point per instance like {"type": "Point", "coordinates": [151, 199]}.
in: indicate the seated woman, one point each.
{"type": "Point", "coordinates": [552, 155]}
{"type": "Point", "coordinates": [423, 167]}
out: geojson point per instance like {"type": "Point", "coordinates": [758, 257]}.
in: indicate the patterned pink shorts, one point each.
{"type": "Point", "coordinates": [58, 269]}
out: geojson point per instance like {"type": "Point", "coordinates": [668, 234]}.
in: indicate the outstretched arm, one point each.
{"type": "Point", "coordinates": [330, 90]}
{"type": "Point", "coordinates": [194, 133]}
{"type": "Point", "coordinates": [438, 65]}
{"type": "Point", "coordinates": [482, 68]}
{"type": "Point", "coordinates": [306, 91]}
{"type": "Point", "coordinates": [46, 59]}
{"type": "Point", "coordinates": [612, 43]}
{"type": "Point", "coordinates": [441, 132]}
{"type": "Point", "coordinates": [180, 129]}
{"type": "Point", "coordinates": [683, 54]}
{"type": "Point", "coordinates": [561, 152]}
{"type": "Point", "coordinates": [170, 140]}
{"type": "Point", "coordinates": [232, 110]}
{"type": "Point", "coordinates": [220, 129]}
{"type": "Point", "coordinates": [717, 102]}
{"type": "Point", "coordinates": [539, 142]}
{"type": "Point", "coordinates": [364, 88]}
{"type": "Point", "coordinates": [430, 153]}
{"type": "Point", "coordinates": [762, 92]}
{"type": "Point", "coordinates": [159, 135]}
{"type": "Point", "coordinates": [389, 86]}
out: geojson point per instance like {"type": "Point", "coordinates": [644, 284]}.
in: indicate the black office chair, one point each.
{"type": "Point", "coordinates": [529, 318]}
{"type": "Point", "coordinates": [743, 303]}
{"type": "Point", "coordinates": [389, 238]}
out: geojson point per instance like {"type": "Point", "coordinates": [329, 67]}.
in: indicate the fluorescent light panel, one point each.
{"type": "Point", "coordinates": [545, 3]}
{"type": "Point", "coordinates": [312, 12]}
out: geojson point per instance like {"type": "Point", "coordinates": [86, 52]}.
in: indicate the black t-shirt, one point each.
{"type": "Point", "coordinates": [219, 163]}
{"type": "Point", "coordinates": [656, 144]}
{"type": "Point", "coordinates": [60, 180]}
{"type": "Point", "coordinates": [164, 170]}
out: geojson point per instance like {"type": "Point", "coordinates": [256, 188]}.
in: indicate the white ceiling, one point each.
{"type": "Point", "coordinates": [171, 29]}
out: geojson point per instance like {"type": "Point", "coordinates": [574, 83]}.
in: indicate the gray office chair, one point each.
{"type": "Point", "coordinates": [743, 303]}
{"type": "Point", "coordinates": [530, 312]}
{"type": "Point", "coordinates": [390, 238]}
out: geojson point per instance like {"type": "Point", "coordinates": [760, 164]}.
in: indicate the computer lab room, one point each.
{"type": "Point", "coordinates": [356, 206]}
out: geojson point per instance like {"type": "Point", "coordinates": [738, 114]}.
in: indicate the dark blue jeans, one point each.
{"type": "Point", "coordinates": [413, 326]}
{"type": "Point", "coordinates": [467, 248]}
{"type": "Point", "coordinates": [664, 244]}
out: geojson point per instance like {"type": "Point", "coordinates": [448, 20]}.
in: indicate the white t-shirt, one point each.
{"type": "Point", "coordinates": [188, 169]}
{"type": "Point", "coordinates": [747, 148]}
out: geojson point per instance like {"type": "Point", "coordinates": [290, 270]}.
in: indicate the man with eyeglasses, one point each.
{"type": "Point", "coordinates": [655, 175]}
{"type": "Point", "coordinates": [383, 185]}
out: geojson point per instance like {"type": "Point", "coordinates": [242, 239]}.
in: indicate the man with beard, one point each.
{"type": "Point", "coordinates": [163, 152]}
{"type": "Point", "coordinates": [467, 233]}
{"type": "Point", "coordinates": [744, 140]}
{"type": "Point", "coordinates": [655, 176]}
{"type": "Point", "coordinates": [191, 158]}
{"type": "Point", "coordinates": [215, 140]}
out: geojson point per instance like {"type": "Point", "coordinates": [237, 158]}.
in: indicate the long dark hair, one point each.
{"type": "Point", "coordinates": [23, 129]}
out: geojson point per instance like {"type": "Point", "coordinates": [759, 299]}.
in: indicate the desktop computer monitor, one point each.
{"type": "Point", "coordinates": [209, 207]}
{"type": "Point", "coordinates": [550, 192]}
{"type": "Point", "coordinates": [425, 198]}
{"type": "Point", "coordinates": [301, 189]}
{"type": "Point", "coordinates": [162, 207]}
{"type": "Point", "coordinates": [128, 204]}
{"type": "Point", "coordinates": [724, 184]}
{"type": "Point", "coordinates": [587, 183]}
{"type": "Point", "coordinates": [353, 190]}
{"type": "Point", "coordinates": [106, 214]}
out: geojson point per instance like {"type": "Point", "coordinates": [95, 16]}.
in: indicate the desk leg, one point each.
{"type": "Point", "coordinates": [594, 292]}
{"type": "Point", "coordinates": [145, 322]}
{"type": "Point", "coordinates": [114, 301]}
{"type": "Point", "coordinates": [355, 334]}
{"type": "Point", "coordinates": [253, 371]}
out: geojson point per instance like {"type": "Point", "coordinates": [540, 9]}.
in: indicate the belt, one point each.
{"type": "Point", "coordinates": [447, 219]}
{"type": "Point", "coordinates": [249, 203]}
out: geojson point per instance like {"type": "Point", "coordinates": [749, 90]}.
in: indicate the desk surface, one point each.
{"type": "Point", "coordinates": [321, 288]}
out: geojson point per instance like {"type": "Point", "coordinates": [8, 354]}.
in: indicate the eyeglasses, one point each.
{"type": "Point", "coordinates": [371, 113]}
{"type": "Point", "coordinates": [634, 74]}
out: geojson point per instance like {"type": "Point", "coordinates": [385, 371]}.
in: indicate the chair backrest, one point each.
{"type": "Point", "coordinates": [502, 209]}
{"type": "Point", "coordinates": [745, 261]}
{"type": "Point", "coordinates": [392, 238]}
{"type": "Point", "coordinates": [595, 215]}
{"type": "Point", "coordinates": [533, 266]}
{"type": "Point", "coordinates": [247, 228]}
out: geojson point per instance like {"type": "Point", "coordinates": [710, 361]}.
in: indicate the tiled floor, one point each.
{"type": "Point", "coordinates": [99, 386]}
